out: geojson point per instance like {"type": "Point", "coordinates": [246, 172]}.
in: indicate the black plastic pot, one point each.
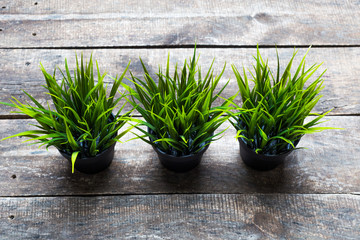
{"type": "Point", "coordinates": [261, 162]}
{"type": "Point", "coordinates": [91, 165]}
{"type": "Point", "coordinates": [182, 163]}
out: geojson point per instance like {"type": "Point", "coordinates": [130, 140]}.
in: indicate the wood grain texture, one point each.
{"type": "Point", "coordinates": [271, 216]}
{"type": "Point", "coordinates": [128, 23]}
{"type": "Point", "coordinates": [19, 69]}
{"type": "Point", "coordinates": [315, 194]}
{"type": "Point", "coordinates": [329, 165]}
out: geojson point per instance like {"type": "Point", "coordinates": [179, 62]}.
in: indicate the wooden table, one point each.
{"type": "Point", "coordinates": [314, 195]}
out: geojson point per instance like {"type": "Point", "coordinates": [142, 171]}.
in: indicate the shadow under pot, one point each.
{"type": "Point", "coordinates": [181, 163]}
{"type": "Point", "coordinates": [91, 165]}
{"type": "Point", "coordinates": [262, 162]}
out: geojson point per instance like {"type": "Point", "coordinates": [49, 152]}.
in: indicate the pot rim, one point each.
{"type": "Point", "coordinates": [86, 157]}
{"type": "Point", "coordinates": [244, 144]}
{"type": "Point", "coordinates": [202, 149]}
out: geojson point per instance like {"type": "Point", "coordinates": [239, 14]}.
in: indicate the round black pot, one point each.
{"type": "Point", "coordinates": [261, 162]}
{"type": "Point", "coordinates": [182, 163]}
{"type": "Point", "coordinates": [91, 165]}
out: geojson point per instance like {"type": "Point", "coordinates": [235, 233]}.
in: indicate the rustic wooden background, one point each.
{"type": "Point", "coordinates": [314, 195]}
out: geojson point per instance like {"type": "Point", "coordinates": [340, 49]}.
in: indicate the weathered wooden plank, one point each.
{"type": "Point", "coordinates": [175, 8]}
{"type": "Point", "coordinates": [19, 69]}
{"type": "Point", "coordinates": [329, 165]}
{"type": "Point", "coordinates": [128, 23]}
{"type": "Point", "coordinates": [244, 216]}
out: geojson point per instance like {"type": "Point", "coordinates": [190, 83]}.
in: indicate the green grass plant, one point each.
{"type": "Point", "coordinates": [82, 122]}
{"type": "Point", "coordinates": [178, 109]}
{"type": "Point", "coordinates": [271, 119]}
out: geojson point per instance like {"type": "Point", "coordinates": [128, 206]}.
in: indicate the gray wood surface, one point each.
{"type": "Point", "coordinates": [153, 23]}
{"type": "Point", "coordinates": [20, 69]}
{"type": "Point", "coordinates": [328, 165]}
{"type": "Point", "coordinates": [315, 194]}
{"type": "Point", "coordinates": [259, 216]}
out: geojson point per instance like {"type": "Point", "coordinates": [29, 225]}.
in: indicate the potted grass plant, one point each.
{"type": "Point", "coordinates": [178, 113]}
{"type": "Point", "coordinates": [272, 118]}
{"type": "Point", "coordinates": [82, 126]}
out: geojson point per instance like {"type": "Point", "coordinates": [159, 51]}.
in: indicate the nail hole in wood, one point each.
{"type": "Point", "coordinates": [11, 216]}
{"type": "Point", "coordinates": [35, 3]}
{"type": "Point", "coordinates": [13, 176]}
{"type": "Point", "coordinates": [0, 29]}
{"type": "Point", "coordinates": [3, 7]}
{"type": "Point", "coordinates": [34, 34]}
{"type": "Point", "coordinates": [27, 63]}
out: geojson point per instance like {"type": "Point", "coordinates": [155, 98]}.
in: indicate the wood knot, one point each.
{"type": "Point", "coordinates": [263, 17]}
{"type": "Point", "coordinates": [268, 224]}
